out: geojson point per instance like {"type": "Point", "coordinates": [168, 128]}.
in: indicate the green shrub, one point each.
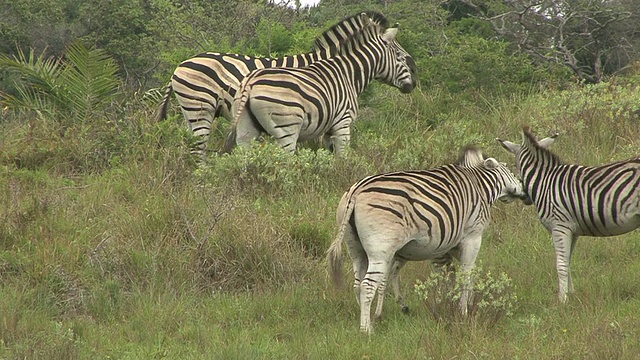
{"type": "Point", "coordinates": [266, 168]}
{"type": "Point", "coordinates": [312, 238]}
{"type": "Point", "coordinates": [493, 296]}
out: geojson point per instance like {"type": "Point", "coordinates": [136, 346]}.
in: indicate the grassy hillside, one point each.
{"type": "Point", "coordinates": [114, 244]}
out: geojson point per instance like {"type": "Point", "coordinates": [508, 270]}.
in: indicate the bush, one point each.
{"type": "Point", "coordinates": [265, 168]}
{"type": "Point", "coordinates": [493, 296]}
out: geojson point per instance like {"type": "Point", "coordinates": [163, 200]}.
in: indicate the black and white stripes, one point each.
{"type": "Point", "coordinates": [389, 219]}
{"type": "Point", "coordinates": [298, 104]}
{"type": "Point", "coordinates": [574, 200]}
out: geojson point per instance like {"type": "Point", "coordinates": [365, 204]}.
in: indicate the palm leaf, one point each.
{"type": "Point", "coordinates": [37, 86]}
{"type": "Point", "coordinates": [90, 79]}
{"type": "Point", "coordinates": [85, 82]}
{"type": "Point", "coordinates": [28, 100]}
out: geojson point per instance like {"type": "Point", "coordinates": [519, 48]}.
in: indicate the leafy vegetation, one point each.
{"type": "Point", "coordinates": [493, 297]}
{"type": "Point", "coordinates": [114, 243]}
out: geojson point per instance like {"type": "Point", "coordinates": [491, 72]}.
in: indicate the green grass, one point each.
{"type": "Point", "coordinates": [113, 245]}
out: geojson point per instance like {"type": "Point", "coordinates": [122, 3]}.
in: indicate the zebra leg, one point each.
{"type": "Point", "coordinates": [341, 134]}
{"type": "Point", "coordinates": [382, 291]}
{"type": "Point", "coordinates": [562, 240]}
{"type": "Point", "coordinates": [200, 124]}
{"type": "Point", "coordinates": [246, 130]}
{"type": "Point", "coordinates": [358, 257]}
{"type": "Point", "coordinates": [445, 266]}
{"type": "Point", "coordinates": [469, 252]}
{"type": "Point", "coordinates": [395, 284]}
{"type": "Point", "coordinates": [374, 278]}
{"type": "Point", "coordinates": [285, 128]}
{"type": "Point", "coordinates": [574, 240]}
{"type": "Point", "coordinates": [328, 142]}
{"type": "Point", "coordinates": [393, 271]}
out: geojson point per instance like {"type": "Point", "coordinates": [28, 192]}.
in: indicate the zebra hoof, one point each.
{"type": "Point", "coordinates": [404, 309]}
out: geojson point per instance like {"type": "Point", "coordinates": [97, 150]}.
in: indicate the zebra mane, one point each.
{"type": "Point", "coordinates": [332, 40]}
{"type": "Point", "coordinates": [531, 143]}
{"type": "Point", "coordinates": [471, 156]}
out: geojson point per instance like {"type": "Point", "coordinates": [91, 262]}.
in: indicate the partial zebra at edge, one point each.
{"type": "Point", "coordinates": [574, 200]}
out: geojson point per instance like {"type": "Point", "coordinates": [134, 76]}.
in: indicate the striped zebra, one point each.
{"type": "Point", "coordinates": [439, 214]}
{"type": "Point", "coordinates": [298, 104]}
{"type": "Point", "coordinates": [574, 200]}
{"type": "Point", "coordinates": [206, 84]}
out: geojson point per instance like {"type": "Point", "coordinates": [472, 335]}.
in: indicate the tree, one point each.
{"type": "Point", "coordinates": [593, 38]}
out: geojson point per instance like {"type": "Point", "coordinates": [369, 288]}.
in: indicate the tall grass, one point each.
{"type": "Point", "coordinates": [115, 244]}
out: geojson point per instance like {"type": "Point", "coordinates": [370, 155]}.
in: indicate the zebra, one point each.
{"type": "Point", "coordinates": [206, 84]}
{"type": "Point", "coordinates": [574, 200]}
{"type": "Point", "coordinates": [438, 214]}
{"type": "Point", "coordinates": [298, 104]}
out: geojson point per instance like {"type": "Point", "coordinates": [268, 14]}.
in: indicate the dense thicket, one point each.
{"type": "Point", "coordinates": [455, 41]}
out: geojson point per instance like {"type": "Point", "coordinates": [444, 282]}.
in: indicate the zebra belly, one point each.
{"type": "Point", "coordinates": [624, 225]}
{"type": "Point", "coordinates": [312, 126]}
{"type": "Point", "coordinates": [424, 249]}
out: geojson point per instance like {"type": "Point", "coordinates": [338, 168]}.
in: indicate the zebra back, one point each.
{"type": "Point", "coordinates": [329, 43]}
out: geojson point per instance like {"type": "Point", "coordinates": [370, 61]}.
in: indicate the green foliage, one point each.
{"type": "Point", "coordinates": [74, 89]}
{"type": "Point", "coordinates": [39, 24]}
{"type": "Point", "coordinates": [90, 79]}
{"type": "Point", "coordinates": [493, 296]}
{"type": "Point", "coordinates": [265, 168]}
{"type": "Point", "coordinates": [273, 39]}
{"type": "Point", "coordinates": [312, 238]}
{"type": "Point", "coordinates": [472, 62]}
{"type": "Point", "coordinates": [37, 90]}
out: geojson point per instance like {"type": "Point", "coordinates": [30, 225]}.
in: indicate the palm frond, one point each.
{"type": "Point", "coordinates": [27, 100]}
{"type": "Point", "coordinates": [37, 88]}
{"type": "Point", "coordinates": [39, 71]}
{"type": "Point", "coordinates": [84, 82]}
{"type": "Point", "coordinates": [90, 78]}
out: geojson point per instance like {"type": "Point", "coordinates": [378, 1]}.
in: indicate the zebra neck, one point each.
{"type": "Point", "coordinates": [485, 185]}
{"type": "Point", "coordinates": [357, 74]}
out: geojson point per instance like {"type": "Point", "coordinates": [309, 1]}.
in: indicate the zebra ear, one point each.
{"type": "Point", "coordinates": [491, 163]}
{"type": "Point", "coordinates": [509, 146]}
{"type": "Point", "coordinates": [390, 34]}
{"type": "Point", "coordinates": [546, 142]}
{"type": "Point", "coordinates": [365, 18]}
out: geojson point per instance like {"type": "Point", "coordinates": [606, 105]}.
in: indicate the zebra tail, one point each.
{"type": "Point", "coordinates": [161, 114]}
{"type": "Point", "coordinates": [334, 253]}
{"type": "Point", "coordinates": [230, 142]}
{"type": "Point", "coordinates": [242, 103]}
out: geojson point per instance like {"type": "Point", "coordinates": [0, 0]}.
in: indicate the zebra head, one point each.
{"type": "Point", "coordinates": [368, 34]}
{"type": "Point", "coordinates": [399, 67]}
{"type": "Point", "coordinates": [495, 176]}
{"type": "Point", "coordinates": [528, 153]}
{"type": "Point", "coordinates": [511, 187]}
